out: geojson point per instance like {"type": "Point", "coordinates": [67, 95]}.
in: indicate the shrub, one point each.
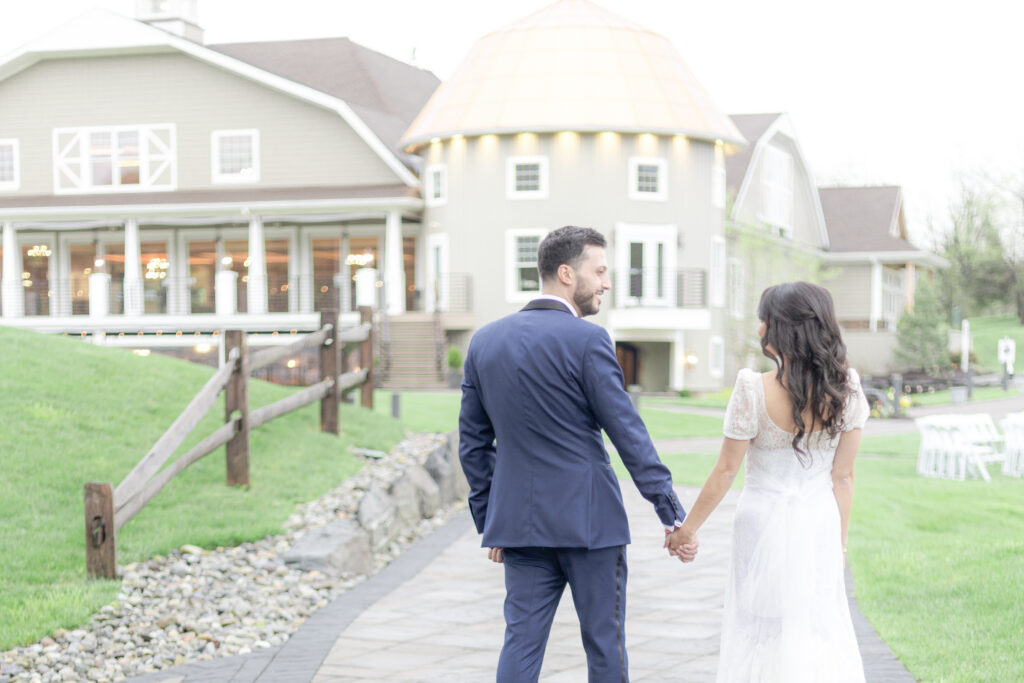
{"type": "Point", "coordinates": [454, 358]}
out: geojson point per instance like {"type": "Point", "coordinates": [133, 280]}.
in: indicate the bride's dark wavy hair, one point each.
{"type": "Point", "coordinates": [801, 327]}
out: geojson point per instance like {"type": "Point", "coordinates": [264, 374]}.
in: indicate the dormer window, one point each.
{"type": "Point", "coordinates": [236, 156]}
{"type": "Point", "coordinates": [648, 179]}
{"type": "Point", "coordinates": [9, 171]}
{"type": "Point", "coordinates": [527, 177]}
{"type": "Point", "coordinates": [777, 190]}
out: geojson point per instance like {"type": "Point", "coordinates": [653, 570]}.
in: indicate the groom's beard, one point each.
{"type": "Point", "coordinates": [586, 301]}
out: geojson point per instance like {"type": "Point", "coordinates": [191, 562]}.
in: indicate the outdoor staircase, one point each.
{"type": "Point", "coordinates": [412, 359]}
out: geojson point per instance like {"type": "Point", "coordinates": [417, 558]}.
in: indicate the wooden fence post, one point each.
{"type": "Point", "coordinates": [330, 358]}
{"type": "Point", "coordinates": [366, 357]}
{"type": "Point", "coordinates": [236, 404]}
{"type": "Point", "coordinates": [100, 551]}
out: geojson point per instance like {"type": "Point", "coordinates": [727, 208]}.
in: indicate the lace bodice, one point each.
{"type": "Point", "coordinates": [771, 459]}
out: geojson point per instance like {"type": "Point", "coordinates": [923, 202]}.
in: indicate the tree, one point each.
{"type": "Point", "coordinates": [921, 336]}
{"type": "Point", "coordinates": [981, 276]}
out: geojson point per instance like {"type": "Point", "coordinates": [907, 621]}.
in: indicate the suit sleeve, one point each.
{"type": "Point", "coordinates": [476, 445]}
{"type": "Point", "coordinates": [603, 385]}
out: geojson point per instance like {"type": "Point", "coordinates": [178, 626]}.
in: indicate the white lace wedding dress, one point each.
{"type": "Point", "coordinates": [786, 617]}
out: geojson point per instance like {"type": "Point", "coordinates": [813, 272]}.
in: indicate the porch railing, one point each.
{"type": "Point", "coordinates": [660, 288]}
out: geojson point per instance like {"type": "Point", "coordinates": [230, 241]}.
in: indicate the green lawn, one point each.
{"type": "Point", "coordinates": [942, 398]}
{"type": "Point", "coordinates": [71, 413]}
{"type": "Point", "coordinates": [422, 411]}
{"type": "Point", "coordinates": [988, 331]}
{"type": "Point", "coordinates": [939, 569]}
{"type": "Point", "coordinates": [718, 399]}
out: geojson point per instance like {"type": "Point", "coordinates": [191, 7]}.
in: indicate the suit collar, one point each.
{"type": "Point", "coordinates": [547, 304]}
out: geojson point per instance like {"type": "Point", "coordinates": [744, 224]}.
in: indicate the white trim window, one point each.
{"type": "Point", "coordinates": [435, 183]}
{"type": "Point", "coordinates": [717, 272]}
{"type": "Point", "coordinates": [735, 284]}
{"type": "Point", "coordinates": [235, 156]}
{"type": "Point", "coordinates": [777, 189]}
{"type": "Point", "coordinates": [645, 265]}
{"type": "Point", "coordinates": [718, 185]}
{"type": "Point", "coordinates": [716, 356]}
{"type": "Point", "coordinates": [140, 158]}
{"type": "Point", "coordinates": [10, 170]}
{"type": "Point", "coordinates": [892, 297]}
{"type": "Point", "coordinates": [526, 177]}
{"type": "Point", "coordinates": [522, 276]}
{"type": "Point", "coordinates": [648, 179]}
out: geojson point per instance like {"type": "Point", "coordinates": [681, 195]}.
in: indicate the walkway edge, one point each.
{"type": "Point", "coordinates": [300, 657]}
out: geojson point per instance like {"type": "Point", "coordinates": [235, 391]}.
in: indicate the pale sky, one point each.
{"type": "Point", "coordinates": [903, 92]}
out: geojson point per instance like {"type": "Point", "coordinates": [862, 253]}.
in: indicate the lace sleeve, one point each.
{"type": "Point", "coordinates": [741, 413]}
{"type": "Point", "coordinates": [857, 409]}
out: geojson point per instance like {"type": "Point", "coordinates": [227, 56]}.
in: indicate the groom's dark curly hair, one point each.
{"type": "Point", "coordinates": [565, 245]}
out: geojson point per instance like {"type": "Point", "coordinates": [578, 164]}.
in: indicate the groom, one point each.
{"type": "Point", "coordinates": [539, 387]}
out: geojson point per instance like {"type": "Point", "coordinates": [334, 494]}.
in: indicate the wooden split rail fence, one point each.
{"type": "Point", "coordinates": [108, 509]}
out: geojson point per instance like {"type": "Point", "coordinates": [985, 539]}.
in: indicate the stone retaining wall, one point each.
{"type": "Point", "coordinates": [390, 507]}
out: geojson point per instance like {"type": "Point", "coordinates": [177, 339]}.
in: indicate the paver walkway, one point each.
{"type": "Point", "coordinates": [435, 615]}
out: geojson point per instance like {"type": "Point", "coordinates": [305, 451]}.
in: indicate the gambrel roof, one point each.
{"type": "Point", "coordinates": [375, 95]}
{"type": "Point", "coordinates": [385, 93]}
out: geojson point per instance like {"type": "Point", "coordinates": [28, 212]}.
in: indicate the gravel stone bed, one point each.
{"type": "Point", "coordinates": [197, 604]}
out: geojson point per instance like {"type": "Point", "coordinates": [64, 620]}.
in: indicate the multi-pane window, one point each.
{"type": "Point", "coordinates": [236, 156]}
{"type": "Point", "coordinates": [718, 186]}
{"type": "Point", "coordinates": [777, 189]}
{"type": "Point", "coordinates": [892, 297]}
{"type": "Point", "coordinates": [716, 353]}
{"type": "Point", "coordinates": [523, 274]}
{"type": "Point", "coordinates": [717, 274]}
{"type": "Point", "coordinates": [436, 190]}
{"type": "Point", "coordinates": [9, 179]}
{"type": "Point", "coordinates": [527, 177]}
{"type": "Point", "coordinates": [114, 159]}
{"type": "Point", "coordinates": [735, 287]}
{"type": "Point", "coordinates": [648, 179]}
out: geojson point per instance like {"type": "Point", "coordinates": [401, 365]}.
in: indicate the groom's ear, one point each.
{"type": "Point", "coordinates": [566, 275]}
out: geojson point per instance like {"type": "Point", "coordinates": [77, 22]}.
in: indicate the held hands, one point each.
{"type": "Point", "coordinates": [682, 543]}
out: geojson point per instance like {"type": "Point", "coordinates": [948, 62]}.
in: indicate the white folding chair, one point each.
{"type": "Point", "coordinates": [1013, 455]}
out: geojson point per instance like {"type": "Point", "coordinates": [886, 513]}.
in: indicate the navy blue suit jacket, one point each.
{"type": "Point", "coordinates": [539, 386]}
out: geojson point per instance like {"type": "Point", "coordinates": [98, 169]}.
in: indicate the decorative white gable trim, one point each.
{"type": "Point", "coordinates": [127, 36]}
{"type": "Point", "coordinates": [782, 125]}
{"type": "Point", "coordinates": [156, 157]}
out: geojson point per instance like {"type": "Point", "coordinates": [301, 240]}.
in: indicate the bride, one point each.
{"type": "Point", "coordinates": [786, 614]}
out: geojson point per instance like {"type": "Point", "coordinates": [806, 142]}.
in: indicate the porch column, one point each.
{"type": "Point", "coordinates": [99, 295]}
{"type": "Point", "coordinates": [134, 304]}
{"type": "Point", "coordinates": [256, 289]}
{"type": "Point", "coordinates": [305, 279]}
{"type": "Point", "coordinates": [677, 362]}
{"type": "Point", "coordinates": [876, 296]}
{"type": "Point", "coordinates": [13, 290]}
{"type": "Point", "coordinates": [394, 267]}
{"type": "Point", "coordinates": [60, 287]}
{"type": "Point", "coordinates": [344, 279]}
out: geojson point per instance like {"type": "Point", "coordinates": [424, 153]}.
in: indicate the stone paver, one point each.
{"type": "Point", "coordinates": [445, 623]}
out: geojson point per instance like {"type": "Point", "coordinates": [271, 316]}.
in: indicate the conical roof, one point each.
{"type": "Point", "coordinates": [571, 66]}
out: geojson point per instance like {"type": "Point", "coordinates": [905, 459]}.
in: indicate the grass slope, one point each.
{"type": "Point", "coordinates": [71, 413]}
